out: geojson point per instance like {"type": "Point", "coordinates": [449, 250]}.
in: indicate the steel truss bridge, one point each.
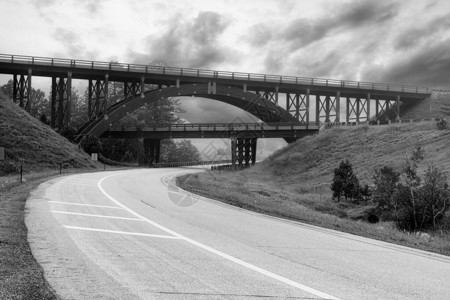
{"type": "Point", "coordinates": [271, 98]}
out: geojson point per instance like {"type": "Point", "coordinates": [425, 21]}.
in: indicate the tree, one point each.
{"type": "Point", "coordinates": [179, 151]}
{"type": "Point", "coordinates": [345, 183]}
{"type": "Point", "coordinates": [416, 202]}
{"type": "Point", "coordinates": [386, 181]}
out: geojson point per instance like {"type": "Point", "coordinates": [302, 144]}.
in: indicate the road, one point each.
{"type": "Point", "coordinates": [133, 235]}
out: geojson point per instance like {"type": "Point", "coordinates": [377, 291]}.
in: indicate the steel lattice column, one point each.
{"type": "Point", "coordinates": [22, 90]}
{"type": "Point", "coordinates": [298, 106]}
{"type": "Point", "coordinates": [328, 108]}
{"type": "Point", "coordinates": [152, 151]}
{"type": "Point", "coordinates": [98, 97]}
{"type": "Point", "coordinates": [385, 108]}
{"type": "Point", "coordinates": [357, 109]}
{"type": "Point", "coordinates": [61, 101]}
{"type": "Point", "coordinates": [243, 151]}
{"type": "Point", "coordinates": [134, 88]}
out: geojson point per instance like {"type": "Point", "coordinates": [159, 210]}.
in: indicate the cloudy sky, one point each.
{"type": "Point", "coordinates": [384, 41]}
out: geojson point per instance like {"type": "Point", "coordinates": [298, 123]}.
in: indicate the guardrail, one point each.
{"type": "Point", "coordinates": [190, 163]}
{"type": "Point", "coordinates": [203, 73]}
{"type": "Point", "coordinates": [218, 126]}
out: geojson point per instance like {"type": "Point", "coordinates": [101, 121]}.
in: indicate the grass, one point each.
{"type": "Point", "coordinates": [294, 183]}
{"type": "Point", "coordinates": [21, 277]}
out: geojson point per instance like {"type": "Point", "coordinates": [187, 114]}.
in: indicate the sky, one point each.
{"type": "Point", "coordinates": [405, 42]}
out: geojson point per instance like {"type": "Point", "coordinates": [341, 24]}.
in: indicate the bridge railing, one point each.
{"type": "Point", "coordinates": [202, 73]}
{"type": "Point", "coordinates": [218, 127]}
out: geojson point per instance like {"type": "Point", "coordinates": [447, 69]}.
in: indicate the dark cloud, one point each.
{"type": "Point", "coordinates": [70, 41]}
{"type": "Point", "coordinates": [360, 13]}
{"type": "Point", "coordinates": [427, 66]}
{"type": "Point", "coordinates": [191, 43]}
{"type": "Point", "coordinates": [414, 36]}
{"type": "Point", "coordinates": [352, 16]}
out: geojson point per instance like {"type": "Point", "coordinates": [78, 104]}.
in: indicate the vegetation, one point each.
{"type": "Point", "coordinates": [120, 150]}
{"type": "Point", "coordinates": [295, 182]}
{"type": "Point", "coordinates": [21, 277]}
{"type": "Point", "coordinates": [34, 145]}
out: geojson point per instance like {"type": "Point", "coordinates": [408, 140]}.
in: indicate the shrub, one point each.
{"type": "Point", "coordinates": [91, 144]}
{"type": "Point", "coordinates": [441, 124]}
{"type": "Point", "coordinates": [415, 203]}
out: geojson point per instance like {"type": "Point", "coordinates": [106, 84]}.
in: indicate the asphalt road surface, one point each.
{"type": "Point", "coordinates": [133, 235]}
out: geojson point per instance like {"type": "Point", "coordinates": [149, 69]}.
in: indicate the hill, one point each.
{"type": "Point", "coordinates": [308, 164]}
{"type": "Point", "coordinates": [32, 144]}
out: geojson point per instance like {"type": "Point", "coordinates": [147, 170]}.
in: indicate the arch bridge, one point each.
{"type": "Point", "coordinates": [271, 98]}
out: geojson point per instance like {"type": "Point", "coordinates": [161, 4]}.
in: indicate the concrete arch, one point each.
{"type": "Point", "coordinates": [248, 101]}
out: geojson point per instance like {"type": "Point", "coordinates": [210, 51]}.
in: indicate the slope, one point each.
{"type": "Point", "coordinates": [32, 144]}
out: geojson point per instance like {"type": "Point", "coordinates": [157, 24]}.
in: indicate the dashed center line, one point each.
{"type": "Point", "coordinates": [82, 204]}
{"type": "Point", "coordinates": [96, 216]}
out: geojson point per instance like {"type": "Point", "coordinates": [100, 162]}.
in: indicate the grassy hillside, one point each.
{"type": "Point", "coordinates": [308, 164]}
{"type": "Point", "coordinates": [32, 144]}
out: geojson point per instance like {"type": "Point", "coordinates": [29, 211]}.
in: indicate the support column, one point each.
{"type": "Point", "coordinates": [22, 90]}
{"type": "Point", "coordinates": [98, 97]}
{"type": "Point", "coordinates": [307, 107]}
{"type": "Point", "coordinates": [152, 151]}
{"type": "Point", "coordinates": [338, 107]}
{"type": "Point", "coordinates": [233, 151]}
{"type": "Point", "coordinates": [60, 101]}
{"type": "Point", "coordinates": [368, 108]}
{"type": "Point", "coordinates": [397, 111]}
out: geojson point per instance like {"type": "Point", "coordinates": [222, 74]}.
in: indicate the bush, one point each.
{"type": "Point", "coordinates": [91, 144]}
{"type": "Point", "coordinates": [415, 203]}
{"type": "Point", "coordinates": [441, 124]}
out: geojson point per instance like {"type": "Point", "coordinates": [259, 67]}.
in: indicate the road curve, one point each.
{"type": "Point", "coordinates": [134, 235]}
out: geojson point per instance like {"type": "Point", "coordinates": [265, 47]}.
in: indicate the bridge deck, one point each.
{"type": "Point", "coordinates": [211, 130]}
{"type": "Point", "coordinates": [82, 69]}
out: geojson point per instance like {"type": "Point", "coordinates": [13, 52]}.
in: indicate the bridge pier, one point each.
{"type": "Point", "coordinates": [328, 108]}
{"type": "Point", "coordinates": [152, 151]}
{"type": "Point", "coordinates": [60, 101]}
{"type": "Point", "coordinates": [97, 97]}
{"type": "Point", "coordinates": [358, 110]}
{"type": "Point", "coordinates": [387, 109]}
{"type": "Point", "coordinates": [22, 90]}
{"type": "Point", "coordinates": [298, 106]}
{"type": "Point", "coordinates": [243, 151]}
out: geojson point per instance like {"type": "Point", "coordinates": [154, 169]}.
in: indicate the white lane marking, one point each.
{"type": "Point", "coordinates": [97, 216]}
{"type": "Point", "coordinates": [122, 232]}
{"type": "Point", "coordinates": [217, 252]}
{"type": "Point", "coordinates": [82, 204]}
{"type": "Point", "coordinates": [78, 183]}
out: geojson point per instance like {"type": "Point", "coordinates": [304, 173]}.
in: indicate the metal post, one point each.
{"type": "Point", "coordinates": [368, 108]}
{"type": "Point", "coordinates": [69, 99]}
{"type": "Point", "coordinates": [307, 107]}
{"type": "Point", "coordinates": [28, 104]}
{"type": "Point", "coordinates": [347, 119]}
{"type": "Point", "coordinates": [105, 106]}
{"type": "Point", "coordinates": [338, 107]}
{"type": "Point", "coordinates": [397, 108]}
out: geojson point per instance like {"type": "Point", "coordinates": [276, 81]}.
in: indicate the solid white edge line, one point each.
{"type": "Point", "coordinates": [217, 252]}
{"type": "Point", "coordinates": [91, 215]}
{"type": "Point", "coordinates": [121, 232]}
{"type": "Point", "coordinates": [82, 204]}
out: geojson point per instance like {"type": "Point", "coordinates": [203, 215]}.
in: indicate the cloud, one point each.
{"type": "Point", "coordinates": [70, 41]}
{"type": "Point", "coordinates": [367, 12]}
{"type": "Point", "coordinates": [413, 37]}
{"type": "Point", "coordinates": [429, 65]}
{"type": "Point", "coordinates": [188, 43]}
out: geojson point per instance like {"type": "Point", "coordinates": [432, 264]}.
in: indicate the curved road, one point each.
{"type": "Point", "coordinates": [134, 235]}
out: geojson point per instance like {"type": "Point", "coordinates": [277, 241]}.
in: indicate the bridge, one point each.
{"type": "Point", "coordinates": [271, 98]}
